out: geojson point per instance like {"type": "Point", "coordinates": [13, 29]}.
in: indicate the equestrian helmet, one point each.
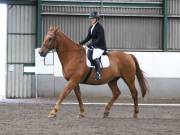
{"type": "Point", "coordinates": [93, 15]}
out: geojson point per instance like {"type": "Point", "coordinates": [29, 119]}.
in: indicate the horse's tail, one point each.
{"type": "Point", "coordinates": [140, 77]}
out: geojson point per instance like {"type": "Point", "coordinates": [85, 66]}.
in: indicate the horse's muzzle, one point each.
{"type": "Point", "coordinates": [42, 54]}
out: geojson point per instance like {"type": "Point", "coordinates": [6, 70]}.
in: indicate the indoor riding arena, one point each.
{"type": "Point", "coordinates": [35, 97]}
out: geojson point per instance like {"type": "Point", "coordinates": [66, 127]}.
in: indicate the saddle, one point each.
{"type": "Point", "coordinates": [104, 60]}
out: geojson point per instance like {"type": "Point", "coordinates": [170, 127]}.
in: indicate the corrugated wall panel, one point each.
{"type": "Point", "coordinates": [72, 26]}
{"type": "Point", "coordinates": [21, 19]}
{"type": "Point", "coordinates": [132, 11]}
{"type": "Point", "coordinates": [135, 0]}
{"type": "Point", "coordinates": [69, 9]}
{"type": "Point", "coordinates": [174, 7]}
{"type": "Point", "coordinates": [19, 85]}
{"type": "Point", "coordinates": [20, 50]}
{"type": "Point", "coordinates": [121, 32]}
{"type": "Point", "coordinates": [132, 0]}
{"type": "Point", "coordinates": [114, 0]}
{"type": "Point", "coordinates": [121, 35]}
{"type": "Point", "coordinates": [174, 34]}
{"type": "Point", "coordinates": [137, 33]}
{"type": "Point", "coordinates": [174, 25]}
{"type": "Point", "coordinates": [61, 9]}
{"type": "Point", "coordinates": [21, 33]}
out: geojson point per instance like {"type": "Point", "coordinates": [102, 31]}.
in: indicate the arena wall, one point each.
{"type": "Point", "coordinates": [140, 26]}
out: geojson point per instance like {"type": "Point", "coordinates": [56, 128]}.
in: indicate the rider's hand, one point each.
{"type": "Point", "coordinates": [80, 43]}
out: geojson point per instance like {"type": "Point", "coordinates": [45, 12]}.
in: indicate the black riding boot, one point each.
{"type": "Point", "coordinates": [97, 68]}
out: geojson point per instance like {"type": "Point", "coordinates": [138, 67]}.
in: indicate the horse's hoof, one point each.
{"type": "Point", "coordinates": [51, 115]}
{"type": "Point", "coordinates": [80, 115]}
{"type": "Point", "coordinates": [106, 114]}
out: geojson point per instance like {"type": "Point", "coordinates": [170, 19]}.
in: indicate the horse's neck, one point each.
{"type": "Point", "coordinates": [67, 49]}
{"type": "Point", "coordinates": [67, 43]}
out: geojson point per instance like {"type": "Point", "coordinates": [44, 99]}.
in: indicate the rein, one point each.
{"type": "Point", "coordinates": [54, 38]}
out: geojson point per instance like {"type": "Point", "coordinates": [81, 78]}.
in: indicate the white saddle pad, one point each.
{"type": "Point", "coordinates": [104, 61]}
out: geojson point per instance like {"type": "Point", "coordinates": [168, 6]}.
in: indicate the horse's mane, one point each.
{"type": "Point", "coordinates": [56, 29]}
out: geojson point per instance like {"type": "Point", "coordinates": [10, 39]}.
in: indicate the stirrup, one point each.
{"type": "Point", "coordinates": [98, 76]}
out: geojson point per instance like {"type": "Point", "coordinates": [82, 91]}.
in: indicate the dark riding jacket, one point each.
{"type": "Point", "coordinates": [97, 36]}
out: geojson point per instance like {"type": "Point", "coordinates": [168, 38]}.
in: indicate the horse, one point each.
{"type": "Point", "coordinates": [75, 70]}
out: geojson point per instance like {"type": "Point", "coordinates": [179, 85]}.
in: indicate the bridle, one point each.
{"type": "Point", "coordinates": [51, 46]}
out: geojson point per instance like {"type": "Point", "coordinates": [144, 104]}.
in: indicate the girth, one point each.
{"type": "Point", "coordinates": [87, 75]}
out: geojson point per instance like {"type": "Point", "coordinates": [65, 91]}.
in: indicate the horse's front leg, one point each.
{"type": "Point", "coordinates": [67, 89]}
{"type": "Point", "coordinates": [78, 95]}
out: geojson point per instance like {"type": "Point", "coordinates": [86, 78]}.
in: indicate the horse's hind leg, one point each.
{"type": "Point", "coordinates": [116, 92]}
{"type": "Point", "coordinates": [78, 95]}
{"type": "Point", "coordinates": [134, 93]}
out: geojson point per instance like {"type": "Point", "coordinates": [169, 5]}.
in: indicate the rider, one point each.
{"type": "Point", "coordinates": [98, 43]}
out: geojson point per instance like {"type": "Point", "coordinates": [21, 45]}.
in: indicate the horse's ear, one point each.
{"type": "Point", "coordinates": [51, 28]}
{"type": "Point", "coordinates": [56, 29]}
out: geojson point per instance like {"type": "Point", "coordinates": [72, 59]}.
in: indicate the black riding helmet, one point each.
{"type": "Point", "coordinates": [94, 15]}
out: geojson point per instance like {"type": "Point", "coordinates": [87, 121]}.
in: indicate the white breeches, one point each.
{"type": "Point", "coordinates": [97, 53]}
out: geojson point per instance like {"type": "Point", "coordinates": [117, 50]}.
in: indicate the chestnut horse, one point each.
{"type": "Point", "coordinates": [73, 59]}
